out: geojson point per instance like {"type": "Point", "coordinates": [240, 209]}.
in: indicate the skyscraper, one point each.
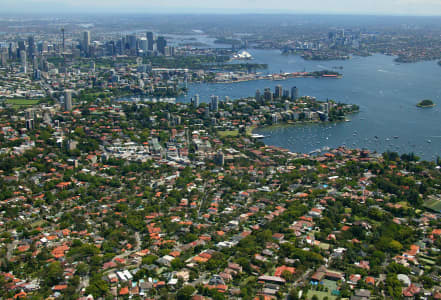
{"type": "Point", "coordinates": [267, 95]}
{"type": "Point", "coordinates": [215, 103]}
{"type": "Point", "coordinates": [144, 44]}
{"type": "Point", "coordinates": [68, 100]}
{"type": "Point", "coordinates": [196, 100]}
{"type": "Point", "coordinates": [279, 91]}
{"type": "Point", "coordinates": [131, 41]}
{"type": "Point", "coordinates": [21, 47]}
{"type": "Point", "coordinates": [23, 61]}
{"type": "Point", "coordinates": [161, 43]}
{"type": "Point", "coordinates": [150, 40]}
{"type": "Point", "coordinates": [294, 93]}
{"type": "Point", "coordinates": [31, 46]}
{"type": "Point", "coordinates": [4, 55]}
{"type": "Point", "coordinates": [258, 96]}
{"type": "Point", "coordinates": [63, 45]}
{"type": "Point", "coordinates": [86, 42]}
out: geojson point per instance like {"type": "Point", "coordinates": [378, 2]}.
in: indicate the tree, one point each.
{"type": "Point", "coordinates": [177, 263]}
{"type": "Point", "coordinates": [97, 286]}
{"type": "Point", "coordinates": [293, 294]}
{"type": "Point", "coordinates": [82, 269]}
{"type": "Point", "coordinates": [393, 286]}
{"type": "Point", "coordinates": [185, 293]}
{"type": "Point", "coordinates": [53, 274]}
{"type": "Point", "coordinates": [395, 246]}
{"type": "Point", "coordinates": [287, 275]}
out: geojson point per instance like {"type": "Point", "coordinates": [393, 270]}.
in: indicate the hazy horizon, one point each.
{"type": "Point", "coordinates": [347, 7]}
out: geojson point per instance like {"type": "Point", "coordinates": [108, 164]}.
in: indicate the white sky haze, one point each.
{"type": "Point", "coordinates": [388, 7]}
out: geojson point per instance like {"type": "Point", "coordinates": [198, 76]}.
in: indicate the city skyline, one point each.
{"type": "Point", "coordinates": [374, 7]}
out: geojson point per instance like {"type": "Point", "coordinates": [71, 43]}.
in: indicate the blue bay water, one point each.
{"type": "Point", "coordinates": [386, 91]}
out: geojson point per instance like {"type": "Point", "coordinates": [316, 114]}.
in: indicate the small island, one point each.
{"type": "Point", "coordinates": [426, 103]}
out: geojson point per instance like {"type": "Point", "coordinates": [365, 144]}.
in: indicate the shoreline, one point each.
{"type": "Point", "coordinates": [426, 106]}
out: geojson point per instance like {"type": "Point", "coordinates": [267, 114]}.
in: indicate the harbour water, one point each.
{"type": "Point", "coordinates": [386, 91]}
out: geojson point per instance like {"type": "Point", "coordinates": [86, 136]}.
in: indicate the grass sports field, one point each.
{"type": "Point", "coordinates": [433, 204]}
{"type": "Point", "coordinates": [21, 102]}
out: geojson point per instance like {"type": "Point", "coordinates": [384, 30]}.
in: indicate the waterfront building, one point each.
{"type": "Point", "coordinates": [278, 92]}
{"type": "Point", "coordinates": [294, 93]}
{"type": "Point", "coordinates": [258, 96]}
{"type": "Point", "coordinates": [268, 95]}
{"type": "Point", "coordinates": [196, 100]}
{"type": "Point", "coordinates": [215, 103]}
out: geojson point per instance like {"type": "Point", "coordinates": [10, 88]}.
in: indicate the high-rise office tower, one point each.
{"type": "Point", "coordinates": [150, 40]}
{"type": "Point", "coordinates": [144, 44]}
{"type": "Point", "coordinates": [45, 47]}
{"type": "Point", "coordinates": [23, 61]}
{"type": "Point", "coordinates": [31, 46]}
{"type": "Point", "coordinates": [21, 46]}
{"type": "Point", "coordinates": [11, 51]}
{"type": "Point", "coordinates": [294, 93]}
{"type": "Point", "coordinates": [131, 41]}
{"type": "Point", "coordinates": [279, 91]}
{"type": "Point", "coordinates": [215, 103]}
{"type": "Point", "coordinates": [68, 100]}
{"type": "Point", "coordinates": [35, 63]}
{"type": "Point", "coordinates": [86, 42]}
{"type": "Point", "coordinates": [161, 43]}
{"type": "Point", "coordinates": [63, 45]}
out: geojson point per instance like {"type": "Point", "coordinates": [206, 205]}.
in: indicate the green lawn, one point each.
{"type": "Point", "coordinates": [228, 133]}
{"type": "Point", "coordinates": [21, 102]}
{"type": "Point", "coordinates": [433, 204]}
{"type": "Point", "coordinates": [320, 295]}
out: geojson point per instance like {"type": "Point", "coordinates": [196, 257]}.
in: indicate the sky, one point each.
{"type": "Point", "coordinates": [382, 7]}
